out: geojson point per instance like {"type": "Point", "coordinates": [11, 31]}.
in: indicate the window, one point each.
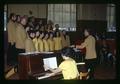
{"type": "Point", "coordinates": [5, 17]}
{"type": "Point", "coordinates": [111, 24]}
{"type": "Point", "coordinates": [64, 15]}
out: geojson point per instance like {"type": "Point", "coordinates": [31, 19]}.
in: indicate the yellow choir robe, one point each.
{"type": "Point", "coordinates": [16, 24]}
{"type": "Point", "coordinates": [11, 29]}
{"type": "Point", "coordinates": [40, 45]}
{"type": "Point", "coordinates": [58, 43]}
{"type": "Point", "coordinates": [35, 42]}
{"type": "Point", "coordinates": [51, 44]}
{"type": "Point", "coordinates": [65, 42]}
{"type": "Point", "coordinates": [46, 45]}
{"type": "Point", "coordinates": [21, 36]}
{"type": "Point", "coordinates": [29, 45]}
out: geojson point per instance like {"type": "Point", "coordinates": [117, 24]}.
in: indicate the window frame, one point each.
{"type": "Point", "coordinates": [73, 29]}
{"type": "Point", "coordinates": [109, 21]}
{"type": "Point", "coordinates": [5, 17]}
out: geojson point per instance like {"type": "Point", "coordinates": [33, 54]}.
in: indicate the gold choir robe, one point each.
{"type": "Point", "coordinates": [58, 43]}
{"type": "Point", "coordinates": [29, 45]}
{"type": "Point", "coordinates": [35, 42]}
{"type": "Point", "coordinates": [46, 45]}
{"type": "Point", "coordinates": [11, 28]}
{"type": "Point", "coordinates": [16, 24]}
{"type": "Point", "coordinates": [21, 36]}
{"type": "Point", "coordinates": [51, 44]}
{"type": "Point", "coordinates": [40, 45]}
{"type": "Point", "coordinates": [65, 42]}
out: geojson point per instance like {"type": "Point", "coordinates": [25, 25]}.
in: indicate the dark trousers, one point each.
{"type": "Point", "coordinates": [17, 54]}
{"type": "Point", "coordinates": [18, 51]}
{"type": "Point", "coordinates": [91, 64]}
{"type": "Point", "coordinates": [11, 54]}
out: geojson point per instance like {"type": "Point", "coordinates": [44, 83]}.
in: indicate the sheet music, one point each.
{"type": "Point", "coordinates": [50, 62]}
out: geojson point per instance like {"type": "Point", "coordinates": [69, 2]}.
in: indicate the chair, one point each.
{"type": "Point", "coordinates": [10, 72]}
{"type": "Point", "coordinates": [84, 73]}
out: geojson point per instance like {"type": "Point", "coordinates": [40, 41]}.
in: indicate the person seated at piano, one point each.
{"type": "Point", "coordinates": [40, 42]}
{"type": "Point", "coordinates": [35, 40]}
{"type": "Point", "coordinates": [51, 41]}
{"type": "Point", "coordinates": [29, 45]}
{"type": "Point", "coordinates": [45, 42]}
{"type": "Point", "coordinates": [68, 67]}
{"type": "Point", "coordinates": [57, 40]}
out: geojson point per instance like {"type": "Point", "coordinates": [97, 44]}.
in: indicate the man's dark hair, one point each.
{"type": "Point", "coordinates": [65, 32]}
{"type": "Point", "coordinates": [11, 15]}
{"type": "Point", "coordinates": [67, 51]}
{"type": "Point", "coordinates": [17, 16]}
{"type": "Point", "coordinates": [89, 30]}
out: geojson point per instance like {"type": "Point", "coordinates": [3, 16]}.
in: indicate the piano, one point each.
{"type": "Point", "coordinates": [30, 65]}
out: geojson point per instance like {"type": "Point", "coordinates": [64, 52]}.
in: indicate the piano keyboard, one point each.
{"type": "Point", "coordinates": [45, 76]}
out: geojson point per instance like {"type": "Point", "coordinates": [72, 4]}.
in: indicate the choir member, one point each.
{"type": "Point", "coordinates": [50, 22]}
{"type": "Point", "coordinates": [37, 27]}
{"type": "Point", "coordinates": [40, 23]}
{"type": "Point", "coordinates": [40, 42]}
{"type": "Point", "coordinates": [45, 42]}
{"type": "Point", "coordinates": [29, 45]}
{"type": "Point", "coordinates": [65, 39]}
{"type": "Point", "coordinates": [11, 30]}
{"type": "Point", "coordinates": [58, 41]}
{"type": "Point", "coordinates": [45, 27]}
{"type": "Point", "coordinates": [35, 40]}
{"type": "Point", "coordinates": [51, 42]}
{"type": "Point", "coordinates": [17, 20]}
{"type": "Point", "coordinates": [56, 27]}
{"type": "Point", "coordinates": [49, 28]}
{"type": "Point", "coordinates": [42, 28]}
{"type": "Point", "coordinates": [31, 21]}
{"type": "Point", "coordinates": [21, 36]}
